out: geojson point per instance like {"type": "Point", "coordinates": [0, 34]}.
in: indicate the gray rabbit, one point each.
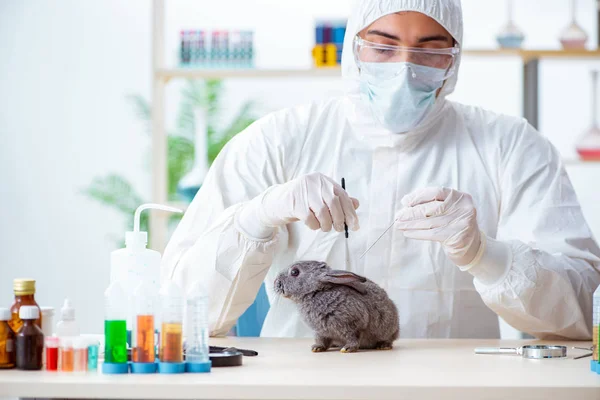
{"type": "Point", "coordinates": [344, 309]}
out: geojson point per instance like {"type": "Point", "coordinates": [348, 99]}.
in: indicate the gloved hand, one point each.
{"type": "Point", "coordinates": [314, 199]}
{"type": "Point", "coordinates": [442, 215]}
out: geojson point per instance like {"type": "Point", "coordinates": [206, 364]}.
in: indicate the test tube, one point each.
{"type": "Point", "coordinates": [250, 49]}
{"type": "Point", "coordinates": [80, 350]}
{"type": "Point", "coordinates": [197, 350]}
{"type": "Point", "coordinates": [144, 298]}
{"type": "Point", "coordinates": [171, 337]}
{"type": "Point", "coordinates": [93, 350]}
{"type": "Point", "coordinates": [115, 330]}
{"type": "Point", "coordinates": [595, 363]}
{"type": "Point", "coordinates": [66, 354]}
{"type": "Point", "coordinates": [52, 343]}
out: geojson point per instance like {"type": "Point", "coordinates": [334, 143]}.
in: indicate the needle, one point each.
{"type": "Point", "coordinates": [348, 266]}
{"type": "Point", "coordinates": [377, 240]}
{"type": "Point", "coordinates": [345, 225]}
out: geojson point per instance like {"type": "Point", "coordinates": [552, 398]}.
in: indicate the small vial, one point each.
{"type": "Point", "coordinates": [144, 299]}
{"type": "Point", "coordinates": [7, 341]}
{"type": "Point", "coordinates": [30, 339]}
{"type": "Point", "coordinates": [197, 350]}
{"type": "Point", "coordinates": [47, 327]}
{"type": "Point", "coordinates": [66, 354]}
{"type": "Point", "coordinates": [596, 329]}
{"type": "Point", "coordinates": [52, 343]}
{"type": "Point", "coordinates": [80, 349]}
{"type": "Point", "coordinates": [171, 338]}
{"type": "Point", "coordinates": [93, 350]}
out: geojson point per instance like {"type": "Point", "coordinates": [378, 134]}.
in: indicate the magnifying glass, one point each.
{"type": "Point", "coordinates": [532, 351]}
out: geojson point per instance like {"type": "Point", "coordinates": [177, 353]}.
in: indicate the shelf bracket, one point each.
{"type": "Point", "coordinates": [531, 91]}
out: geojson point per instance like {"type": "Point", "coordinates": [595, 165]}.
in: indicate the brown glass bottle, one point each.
{"type": "Point", "coordinates": [30, 340]}
{"type": "Point", "coordinates": [7, 341]}
{"type": "Point", "coordinates": [24, 296]}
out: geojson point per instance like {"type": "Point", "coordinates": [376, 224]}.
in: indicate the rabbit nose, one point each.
{"type": "Point", "coordinates": [279, 285]}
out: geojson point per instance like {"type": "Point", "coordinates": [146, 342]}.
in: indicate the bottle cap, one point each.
{"type": "Point", "coordinates": [29, 312]}
{"type": "Point", "coordinates": [116, 368]}
{"type": "Point", "coordinates": [5, 314]}
{"type": "Point", "coordinates": [47, 311]}
{"type": "Point", "coordinates": [66, 342]}
{"type": "Point", "coordinates": [67, 312]}
{"type": "Point", "coordinates": [171, 368]}
{"type": "Point", "coordinates": [80, 343]}
{"type": "Point", "coordinates": [51, 341]}
{"type": "Point", "coordinates": [24, 286]}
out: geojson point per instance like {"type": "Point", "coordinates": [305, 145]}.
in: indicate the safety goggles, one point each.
{"type": "Point", "coordinates": [368, 54]}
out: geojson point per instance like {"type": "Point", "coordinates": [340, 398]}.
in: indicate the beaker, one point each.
{"type": "Point", "coordinates": [588, 145]}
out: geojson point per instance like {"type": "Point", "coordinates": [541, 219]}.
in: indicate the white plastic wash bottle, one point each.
{"type": "Point", "coordinates": [135, 262]}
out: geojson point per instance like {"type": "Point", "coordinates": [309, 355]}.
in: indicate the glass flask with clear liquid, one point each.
{"type": "Point", "coordinates": [573, 37]}
{"type": "Point", "coordinates": [588, 145]}
{"type": "Point", "coordinates": [510, 37]}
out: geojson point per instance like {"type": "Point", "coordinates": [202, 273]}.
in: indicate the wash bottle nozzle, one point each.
{"type": "Point", "coordinates": [136, 238]}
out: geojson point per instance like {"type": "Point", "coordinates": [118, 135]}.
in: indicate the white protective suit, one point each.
{"type": "Point", "coordinates": [541, 263]}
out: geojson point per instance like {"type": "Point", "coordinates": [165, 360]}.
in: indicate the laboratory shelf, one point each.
{"type": "Point", "coordinates": [527, 55]}
{"type": "Point", "coordinates": [204, 73]}
{"type": "Point", "coordinates": [222, 73]}
{"type": "Point", "coordinates": [578, 161]}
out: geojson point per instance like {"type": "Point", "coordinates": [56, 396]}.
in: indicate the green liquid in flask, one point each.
{"type": "Point", "coordinates": [115, 335]}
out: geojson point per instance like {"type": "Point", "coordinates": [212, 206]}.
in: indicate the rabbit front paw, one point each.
{"type": "Point", "coordinates": [322, 344]}
{"type": "Point", "coordinates": [349, 349]}
{"type": "Point", "coordinates": [384, 346]}
{"type": "Point", "coordinates": [317, 348]}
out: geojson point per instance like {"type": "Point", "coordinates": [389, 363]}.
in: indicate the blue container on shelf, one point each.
{"type": "Point", "coordinates": [319, 34]}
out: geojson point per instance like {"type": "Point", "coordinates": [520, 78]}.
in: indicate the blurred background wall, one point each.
{"type": "Point", "coordinates": [67, 69]}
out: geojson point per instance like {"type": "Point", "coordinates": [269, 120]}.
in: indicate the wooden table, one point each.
{"type": "Point", "coordinates": [286, 369]}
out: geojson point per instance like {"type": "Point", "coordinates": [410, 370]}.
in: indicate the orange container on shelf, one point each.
{"type": "Point", "coordinates": [318, 54]}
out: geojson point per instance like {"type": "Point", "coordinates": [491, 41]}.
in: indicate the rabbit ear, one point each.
{"type": "Point", "coordinates": [339, 277]}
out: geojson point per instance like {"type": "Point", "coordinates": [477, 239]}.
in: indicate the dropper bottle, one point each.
{"type": "Point", "coordinates": [67, 326]}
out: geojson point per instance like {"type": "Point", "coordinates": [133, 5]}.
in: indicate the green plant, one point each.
{"type": "Point", "coordinates": [116, 192]}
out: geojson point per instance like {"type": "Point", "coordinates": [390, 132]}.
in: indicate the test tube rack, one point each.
{"type": "Point", "coordinates": [216, 48]}
{"type": "Point", "coordinates": [329, 42]}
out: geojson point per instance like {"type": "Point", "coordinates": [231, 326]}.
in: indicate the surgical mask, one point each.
{"type": "Point", "coordinates": [400, 94]}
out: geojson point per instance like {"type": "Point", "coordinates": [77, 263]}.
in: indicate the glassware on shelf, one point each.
{"type": "Point", "coordinates": [588, 145]}
{"type": "Point", "coordinates": [216, 48]}
{"type": "Point", "coordinates": [573, 37]}
{"type": "Point", "coordinates": [510, 37]}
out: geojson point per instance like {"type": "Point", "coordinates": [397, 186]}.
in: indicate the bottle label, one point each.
{"type": "Point", "coordinates": [9, 346]}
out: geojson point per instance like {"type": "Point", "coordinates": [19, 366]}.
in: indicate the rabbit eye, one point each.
{"type": "Point", "coordinates": [295, 272]}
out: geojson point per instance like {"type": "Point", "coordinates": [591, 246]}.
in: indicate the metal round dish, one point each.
{"type": "Point", "coordinates": [540, 351]}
